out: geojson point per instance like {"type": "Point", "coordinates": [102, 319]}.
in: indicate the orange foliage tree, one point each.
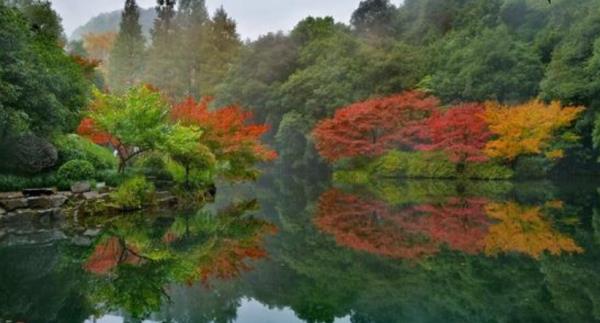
{"type": "Point", "coordinates": [527, 129]}
{"type": "Point", "coordinates": [371, 127]}
{"type": "Point", "coordinates": [99, 45]}
{"type": "Point", "coordinates": [228, 133]}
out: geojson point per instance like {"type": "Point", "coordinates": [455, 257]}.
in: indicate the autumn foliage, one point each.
{"type": "Point", "coordinates": [109, 254]}
{"type": "Point", "coordinates": [466, 133]}
{"type": "Point", "coordinates": [461, 132]}
{"type": "Point", "coordinates": [226, 131]}
{"type": "Point", "coordinates": [470, 225]}
{"type": "Point", "coordinates": [527, 129]}
{"type": "Point", "coordinates": [525, 230]}
{"type": "Point", "coordinates": [371, 127]}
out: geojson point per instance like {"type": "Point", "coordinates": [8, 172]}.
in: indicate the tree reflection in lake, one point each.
{"type": "Point", "coordinates": [469, 224]}
{"type": "Point", "coordinates": [421, 251]}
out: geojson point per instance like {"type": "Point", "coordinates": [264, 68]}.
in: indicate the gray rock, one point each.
{"type": "Point", "coordinates": [81, 187]}
{"type": "Point", "coordinates": [11, 195]}
{"type": "Point", "coordinates": [81, 241]}
{"type": "Point", "coordinates": [39, 202]}
{"type": "Point", "coordinates": [58, 200]}
{"type": "Point", "coordinates": [13, 204]}
{"type": "Point", "coordinates": [91, 232]}
{"type": "Point", "coordinates": [91, 195]}
{"type": "Point", "coordinates": [167, 201]}
{"type": "Point", "coordinates": [2, 211]}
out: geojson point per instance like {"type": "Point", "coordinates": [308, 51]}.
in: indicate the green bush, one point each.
{"type": "Point", "coordinates": [430, 165]}
{"type": "Point", "coordinates": [76, 170]}
{"type": "Point", "coordinates": [110, 177]}
{"type": "Point", "coordinates": [488, 171]}
{"type": "Point", "coordinates": [135, 193]}
{"type": "Point", "coordinates": [351, 177]}
{"type": "Point", "coordinates": [532, 167]}
{"type": "Point", "coordinates": [27, 154]}
{"type": "Point", "coordinates": [397, 164]}
{"type": "Point", "coordinates": [73, 147]}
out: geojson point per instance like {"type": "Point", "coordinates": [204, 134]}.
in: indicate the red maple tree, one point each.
{"type": "Point", "coordinates": [461, 132]}
{"type": "Point", "coordinates": [371, 127]}
{"type": "Point", "coordinates": [227, 131]}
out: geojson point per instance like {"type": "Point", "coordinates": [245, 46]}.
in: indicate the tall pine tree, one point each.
{"type": "Point", "coordinates": [195, 27]}
{"type": "Point", "coordinates": [126, 60]}
{"type": "Point", "coordinates": [222, 49]}
{"type": "Point", "coordinates": [162, 67]}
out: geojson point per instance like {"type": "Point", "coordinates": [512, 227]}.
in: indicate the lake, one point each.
{"type": "Point", "coordinates": [296, 248]}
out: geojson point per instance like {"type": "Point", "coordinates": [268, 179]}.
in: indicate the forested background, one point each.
{"type": "Point", "coordinates": [458, 50]}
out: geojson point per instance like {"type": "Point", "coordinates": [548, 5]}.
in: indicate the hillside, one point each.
{"type": "Point", "coordinates": [110, 22]}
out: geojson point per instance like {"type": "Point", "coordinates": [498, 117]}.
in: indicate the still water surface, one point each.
{"type": "Point", "coordinates": [298, 249]}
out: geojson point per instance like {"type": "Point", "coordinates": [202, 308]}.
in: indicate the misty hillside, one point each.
{"type": "Point", "coordinates": [110, 22]}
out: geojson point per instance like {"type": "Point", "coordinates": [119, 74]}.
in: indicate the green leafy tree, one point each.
{"type": "Point", "coordinates": [134, 122]}
{"type": "Point", "coordinates": [183, 145]}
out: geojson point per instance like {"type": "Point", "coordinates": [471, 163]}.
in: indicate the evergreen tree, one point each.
{"type": "Point", "coordinates": [161, 67]}
{"type": "Point", "coordinates": [195, 27]}
{"type": "Point", "coordinates": [222, 49]}
{"type": "Point", "coordinates": [126, 64]}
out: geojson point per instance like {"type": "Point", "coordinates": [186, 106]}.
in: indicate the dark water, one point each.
{"type": "Point", "coordinates": [295, 249]}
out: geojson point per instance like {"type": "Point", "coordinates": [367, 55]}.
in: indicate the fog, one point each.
{"type": "Point", "coordinates": [253, 17]}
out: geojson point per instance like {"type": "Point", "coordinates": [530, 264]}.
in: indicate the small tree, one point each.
{"type": "Point", "coordinates": [183, 145]}
{"type": "Point", "coordinates": [133, 123]}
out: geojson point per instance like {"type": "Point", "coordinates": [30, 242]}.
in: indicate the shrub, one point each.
{"type": "Point", "coordinates": [73, 147]}
{"type": "Point", "coordinates": [413, 165]}
{"type": "Point", "coordinates": [27, 154]}
{"type": "Point", "coordinates": [351, 177]}
{"type": "Point", "coordinates": [532, 167]}
{"type": "Point", "coordinates": [135, 193]}
{"type": "Point", "coordinates": [488, 171]}
{"type": "Point", "coordinates": [76, 170]}
{"type": "Point", "coordinates": [111, 177]}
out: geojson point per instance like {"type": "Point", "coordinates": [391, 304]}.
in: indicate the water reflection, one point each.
{"type": "Point", "coordinates": [417, 251]}
{"type": "Point", "coordinates": [469, 224]}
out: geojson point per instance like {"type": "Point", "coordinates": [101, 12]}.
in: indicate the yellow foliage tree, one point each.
{"type": "Point", "coordinates": [527, 129]}
{"type": "Point", "coordinates": [99, 45]}
{"type": "Point", "coordinates": [525, 230]}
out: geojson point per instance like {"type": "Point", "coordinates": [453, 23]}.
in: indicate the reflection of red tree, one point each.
{"type": "Point", "coordinates": [231, 259]}
{"type": "Point", "coordinates": [413, 232]}
{"type": "Point", "coordinates": [461, 224]}
{"type": "Point", "coordinates": [372, 226]}
{"type": "Point", "coordinates": [109, 254]}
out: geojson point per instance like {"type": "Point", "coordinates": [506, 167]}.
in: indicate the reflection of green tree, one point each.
{"type": "Point", "coordinates": [187, 249]}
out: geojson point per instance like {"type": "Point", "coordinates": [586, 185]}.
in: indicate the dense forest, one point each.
{"type": "Point", "coordinates": [469, 54]}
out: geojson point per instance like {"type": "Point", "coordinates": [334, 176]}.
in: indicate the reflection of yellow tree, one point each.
{"type": "Point", "coordinates": [524, 229]}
